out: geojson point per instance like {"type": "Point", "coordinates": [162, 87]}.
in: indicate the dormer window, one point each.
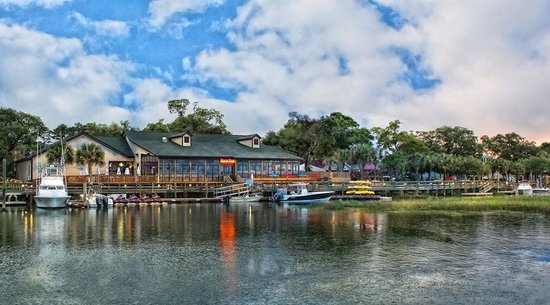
{"type": "Point", "coordinates": [255, 143]}
{"type": "Point", "coordinates": [186, 140]}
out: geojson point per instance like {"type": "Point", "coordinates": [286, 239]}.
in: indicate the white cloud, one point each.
{"type": "Point", "coordinates": [55, 79]}
{"type": "Point", "coordinates": [24, 3]}
{"type": "Point", "coordinates": [111, 28]}
{"type": "Point", "coordinates": [162, 10]}
{"type": "Point", "coordinates": [491, 57]}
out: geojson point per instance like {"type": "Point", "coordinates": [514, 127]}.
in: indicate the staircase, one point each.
{"type": "Point", "coordinates": [487, 186]}
{"type": "Point", "coordinates": [240, 189]}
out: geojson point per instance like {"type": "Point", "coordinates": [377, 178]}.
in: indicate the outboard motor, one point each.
{"type": "Point", "coordinates": [101, 200]}
{"type": "Point", "coordinates": [277, 196]}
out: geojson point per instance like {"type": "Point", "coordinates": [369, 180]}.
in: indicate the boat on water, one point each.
{"type": "Point", "coordinates": [359, 187]}
{"type": "Point", "coordinates": [95, 200]}
{"type": "Point", "coordinates": [541, 191]}
{"type": "Point", "coordinates": [51, 192]}
{"type": "Point", "coordinates": [301, 195]}
{"type": "Point", "coordinates": [246, 198]}
{"type": "Point", "coordinates": [525, 188]}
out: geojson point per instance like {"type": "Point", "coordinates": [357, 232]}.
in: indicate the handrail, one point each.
{"type": "Point", "coordinates": [232, 190]}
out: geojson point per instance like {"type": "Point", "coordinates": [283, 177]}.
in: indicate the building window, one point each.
{"type": "Point", "coordinates": [255, 143]}
{"type": "Point", "coordinates": [149, 165]}
{"type": "Point", "coordinates": [186, 140]}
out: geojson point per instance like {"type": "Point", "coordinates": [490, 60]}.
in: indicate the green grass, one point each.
{"type": "Point", "coordinates": [538, 204]}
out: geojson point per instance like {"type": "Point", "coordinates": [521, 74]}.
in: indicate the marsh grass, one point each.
{"type": "Point", "coordinates": [539, 204]}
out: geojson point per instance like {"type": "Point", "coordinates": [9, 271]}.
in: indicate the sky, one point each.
{"type": "Point", "coordinates": [483, 65]}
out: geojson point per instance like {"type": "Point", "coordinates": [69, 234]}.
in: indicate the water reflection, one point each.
{"type": "Point", "coordinates": [257, 253]}
{"type": "Point", "coordinates": [228, 247]}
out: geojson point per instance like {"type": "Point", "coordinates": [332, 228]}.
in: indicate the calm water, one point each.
{"type": "Point", "coordinates": [270, 254]}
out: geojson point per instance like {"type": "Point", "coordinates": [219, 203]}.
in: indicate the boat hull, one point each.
{"type": "Point", "coordinates": [245, 199]}
{"type": "Point", "coordinates": [51, 202]}
{"type": "Point", "coordinates": [541, 191]}
{"type": "Point", "coordinates": [313, 197]}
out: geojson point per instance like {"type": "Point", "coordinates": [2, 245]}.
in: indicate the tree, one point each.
{"type": "Point", "coordinates": [90, 154]}
{"type": "Point", "coordinates": [433, 163]}
{"type": "Point", "coordinates": [19, 132]}
{"type": "Point", "coordinates": [271, 138]}
{"type": "Point", "coordinates": [159, 126]}
{"type": "Point", "coordinates": [395, 164]}
{"type": "Point", "coordinates": [510, 146]}
{"type": "Point", "coordinates": [93, 129]}
{"type": "Point", "coordinates": [178, 106]}
{"type": "Point", "coordinates": [457, 141]}
{"type": "Point", "coordinates": [299, 135]}
{"type": "Point", "coordinates": [54, 154]}
{"type": "Point", "coordinates": [336, 131]}
{"type": "Point", "coordinates": [341, 156]}
{"type": "Point", "coordinates": [537, 165]}
{"type": "Point", "coordinates": [501, 166]}
{"type": "Point", "coordinates": [414, 150]}
{"type": "Point", "coordinates": [200, 120]}
{"type": "Point", "coordinates": [388, 137]}
{"type": "Point", "coordinates": [545, 149]}
{"type": "Point", "coordinates": [470, 166]}
{"type": "Point", "coordinates": [362, 154]}
{"type": "Point", "coordinates": [518, 169]}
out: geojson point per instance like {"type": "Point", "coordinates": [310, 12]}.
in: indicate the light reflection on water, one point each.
{"type": "Point", "coordinates": [266, 253]}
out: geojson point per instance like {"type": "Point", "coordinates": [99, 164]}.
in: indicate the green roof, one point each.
{"type": "Point", "coordinates": [117, 143]}
{"type": "Point", "coordinates": [207, 146]}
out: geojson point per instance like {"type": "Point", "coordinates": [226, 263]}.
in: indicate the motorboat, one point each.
{"type": "Point", "coordinates": [541, 191]}
{"type": "Point", "coordinates": [51, 191]}
{"type": "Point", "coordinates": [95, 200]}
{"type": "Point", "coordinates": [246, 198]}
{"type": "Point", "coordinates": [301, 195]}
{"type": "Point", "coordinates": [525, 188]}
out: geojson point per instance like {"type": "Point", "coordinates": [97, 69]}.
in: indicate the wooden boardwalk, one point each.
{"type": "Point", "coordinates": [189, 191]}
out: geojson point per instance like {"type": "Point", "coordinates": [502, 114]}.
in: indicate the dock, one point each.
{"type": "Point", "coordinates": [357, 197]}
{"type": "Point", "coordinates": [477, 194]}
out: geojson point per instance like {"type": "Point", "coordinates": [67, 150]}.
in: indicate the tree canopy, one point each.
{"type": "Point", "coordinates": [19, 132]}
{"type": "Point", "coordinates": [94, 129]}
{"type": "Point", "coordinates": [199, 120]}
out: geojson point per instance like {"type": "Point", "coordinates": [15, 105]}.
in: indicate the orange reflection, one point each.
{"type": "Point", "coordinates": [228, 251]}
{"type": "Point", "coordinates": [28, 223]}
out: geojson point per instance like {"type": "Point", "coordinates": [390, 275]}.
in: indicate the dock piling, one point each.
{"type": "Point", "coordinates": [4, 164]}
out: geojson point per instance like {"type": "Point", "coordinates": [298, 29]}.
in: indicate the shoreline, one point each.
{"type": "Point", "coordinates": [538, 204]}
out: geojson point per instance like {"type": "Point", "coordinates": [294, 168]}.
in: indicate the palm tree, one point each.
{"type": "Point", "coordinates": [54, 154]}
{"type": "Point", "coordinates": [341, 156]}
{"type": "Point", "coordinates": [361, 154]}
{"type": "Point", "coordinates": [90, 154]}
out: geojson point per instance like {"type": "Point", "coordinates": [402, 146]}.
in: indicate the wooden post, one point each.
{"type": "Point", "coordinates": [84, 192]}
{"type": "Point", "coordinates": [4, 165]}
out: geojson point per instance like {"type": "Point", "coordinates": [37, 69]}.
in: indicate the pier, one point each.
{"type": "Point", "coordinates": [18, 193]}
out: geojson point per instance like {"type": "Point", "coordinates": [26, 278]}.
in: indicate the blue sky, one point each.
{"type": "Point", "coordinates": [427, 63]}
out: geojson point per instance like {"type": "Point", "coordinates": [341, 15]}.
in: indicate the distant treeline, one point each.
{"type": "Point", "coordinates": [336, 139]}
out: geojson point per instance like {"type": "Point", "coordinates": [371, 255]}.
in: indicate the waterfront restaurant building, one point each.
{"type": "Point", "coordinates": [174, 157]}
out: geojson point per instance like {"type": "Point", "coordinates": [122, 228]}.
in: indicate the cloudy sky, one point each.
{"type": "Point", "coordinates": [484, 65]}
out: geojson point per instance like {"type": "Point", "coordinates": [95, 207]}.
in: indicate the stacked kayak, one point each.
{"type": "Point", "coordinates": [359, 187]}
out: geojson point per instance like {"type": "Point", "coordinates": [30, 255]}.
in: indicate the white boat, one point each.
{"type": "Point", "coordinates": [51, 191]}
{"type": "Point", "coordinates": [94, 200]}
{"type": "Point", "coordinates": [541, 191]}
{"type": "Point", "coordinates": [302, 195]}
{"type": "Point", "coordinates": [246, 198]}
{"type": "Point", "coordinates": [525, 188]}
